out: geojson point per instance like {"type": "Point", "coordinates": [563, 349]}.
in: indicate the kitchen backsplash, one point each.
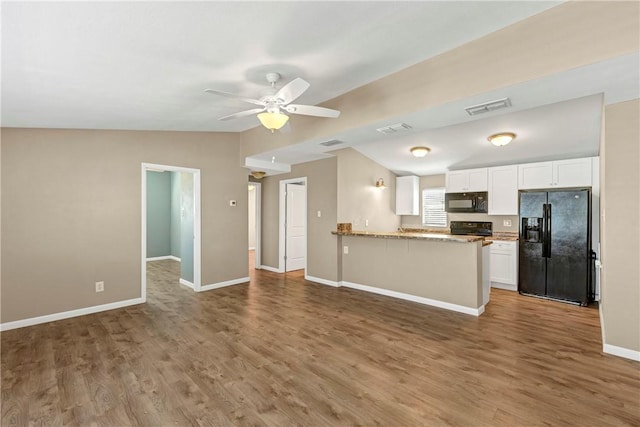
{"type": "Point", "coordinates": [415, 221]}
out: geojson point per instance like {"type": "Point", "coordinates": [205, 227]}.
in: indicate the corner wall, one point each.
{"type": "Point", "coordinates": [321, 196]}
{"type": "Point", "coordinates": [620, 229]}
{"type": "Point", "coordinates": [359, 200]}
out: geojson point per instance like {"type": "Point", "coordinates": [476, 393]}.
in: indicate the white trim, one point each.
{"type": "Point", "coordinates": [257, 256]}
{"type": "Point", "coordinates": [162, 258]}
{"type": "Point", "coordinates": [196, 222]}
{"type": "Point", "coordinates": [421, 300]}
{"type": "Point", "coordinates": [281, 220]}
{"type": "Point", "coordinates": [252, 248]}
{"type": "Point", "coordinates": [621, 352]}
{"type": "Point", "coordinates": [186, 283]}
{"type": "Point", "coordinates": [69, 314]}
{"type": "Point", "coordinates": [322, 281]}
{"type": "Point", "coordinates": [224, 284]}
{"type": "Point", "coordinates": [504, 286]}
{"type": "Point", "coordinates": [272, 269]}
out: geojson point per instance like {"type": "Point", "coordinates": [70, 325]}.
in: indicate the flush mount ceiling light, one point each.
{"type": "Point", "coordinates": [420, 151]}
{"type": "Point", "coordinates": [501, 139]}
{"type": "Point", "coordinates": [258, 174]}
{"type": "Point", "coordinates": [380, 183]}
{"type": "Point", "coordinates": [273, 121]}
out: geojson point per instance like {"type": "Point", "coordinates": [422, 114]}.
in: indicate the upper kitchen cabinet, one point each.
{"type": "Point", "coordinates": [466, 180]}
{"type": "Point", "coordinates": [407, 195]}
{"type": "Point", "coordinates": [503, 190]}
{"type": "Point", "coordinates": [556, 174]}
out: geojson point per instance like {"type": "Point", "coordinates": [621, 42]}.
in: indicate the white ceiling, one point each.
{"type": "Point", "coordinates": [145, 65]}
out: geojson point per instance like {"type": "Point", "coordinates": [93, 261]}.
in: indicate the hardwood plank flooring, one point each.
{"type": "Point", "coordinates": [283, 351]}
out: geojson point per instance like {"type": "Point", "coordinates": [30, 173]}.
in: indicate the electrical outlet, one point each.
{"type": "Point", "coordinates": [366, 222]}
{"type": "Point", "coordinates": [506, 223]}
{"type": "Point", "coordinates": [99, 286]}
{"type": "Point", "coordinates": [345, 249]}
{"type": "Point", "coordinates": [319, 214]}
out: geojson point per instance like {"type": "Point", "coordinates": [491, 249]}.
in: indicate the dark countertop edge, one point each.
{"type": "Point", "coordinates": [416, 236]}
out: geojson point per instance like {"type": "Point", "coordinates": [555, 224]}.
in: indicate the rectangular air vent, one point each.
{"type": "Point", "coordinates": [398, 127]}
{"type": "Point", "coordinates": [488, 106]}
{"type": "Point", "coordinates": [332, 142]}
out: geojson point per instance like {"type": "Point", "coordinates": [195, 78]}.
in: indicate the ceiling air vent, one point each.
{"type": "Point", "coordinates": [488, 106]}
{"type": "Point", "coordinates": [398, 127]}
{"type": "Point", "coordinates": [332, 142]}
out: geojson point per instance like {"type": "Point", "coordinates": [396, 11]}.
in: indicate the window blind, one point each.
{"type": "Point", "coordinates": [433, 213]}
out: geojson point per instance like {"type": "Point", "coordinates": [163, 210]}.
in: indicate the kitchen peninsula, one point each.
{"type": "Point", "coordinates": [442, 270]}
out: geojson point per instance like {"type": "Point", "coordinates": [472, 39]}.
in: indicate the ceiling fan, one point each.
{"type": "Point", "coordinates": [273, 105]}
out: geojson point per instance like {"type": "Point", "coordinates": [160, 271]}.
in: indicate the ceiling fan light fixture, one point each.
{"type": "Point", "coordinates": [273, 121]}
{"type": "Point", "coordinates": [420, 151]}
{"type": "Point", "coordinates": [501, 139]}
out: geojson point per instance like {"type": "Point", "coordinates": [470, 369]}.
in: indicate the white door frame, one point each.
{"type": "Point", "coordinates": [197, 283]}
{"type": "Point", "coordinates": [258, 230]}
{"type": "Point", "coordinates": [282, 233]}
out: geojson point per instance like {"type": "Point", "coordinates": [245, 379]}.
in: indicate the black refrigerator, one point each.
{"type": "Point", "coordinates": [555, 245]}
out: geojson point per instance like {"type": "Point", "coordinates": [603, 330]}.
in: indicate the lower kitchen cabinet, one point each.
{"type": "Point", "coordinates": [504, 265]}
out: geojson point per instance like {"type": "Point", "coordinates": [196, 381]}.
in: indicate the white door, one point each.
{"type": "Point", "coordinates": [295, 248]}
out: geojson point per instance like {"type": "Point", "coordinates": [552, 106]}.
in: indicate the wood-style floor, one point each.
{"type": "Point", "coordinates": [282, 351]}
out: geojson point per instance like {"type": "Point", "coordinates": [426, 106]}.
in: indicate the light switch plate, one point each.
{"type": "Point", "coordinates": [506, 223]}
{"type": "Point", "coordinates": [345, 249]}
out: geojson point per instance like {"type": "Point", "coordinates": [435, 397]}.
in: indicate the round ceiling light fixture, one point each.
{"type": "Point", "coordinates": [258, 174]}
{"type": "Point", "coordinates": [501, 139]}
{"type": "Point", "coordinates": [420, 151]}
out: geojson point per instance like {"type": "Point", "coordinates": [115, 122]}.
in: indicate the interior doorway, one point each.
{"type": "Point", "coordinates": [293, 224]}
{"type": "Point", "coordinates": [255, 203]}
{"type": "Point", "coordinates": [188, 212]}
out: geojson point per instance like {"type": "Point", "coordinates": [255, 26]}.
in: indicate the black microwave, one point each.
{"type": "Point", "coordinates": [466, 202]}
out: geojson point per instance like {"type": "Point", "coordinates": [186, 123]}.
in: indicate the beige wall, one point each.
{"type": "Point", "coordinates": [423, 268]}
{"type": "Point", "coordinates": [438, 181]}
{"type": "Point", "coordinates": [620, 229]}
{"type": "Point", "coordinates": [71, 213]}
{"type": "Point", "coordinates": [321, 196]}
{"type": "Point", "coordinates": [358, 198]}
{"type": "Point", "coordinates": [570, 35]}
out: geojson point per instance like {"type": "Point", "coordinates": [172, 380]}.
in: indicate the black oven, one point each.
{"type": "Point", "coordinates": [466, 202]}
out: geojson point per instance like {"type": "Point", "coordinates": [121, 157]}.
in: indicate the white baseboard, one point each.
{"type": "Point", "coordinates": [504, 286]}
{"type": "Point", "coordinates": [621, 352]}
{"type": "Point", "coordinates": [421, 300]}
{"type": "Point", "coordinates": [224, 284]}
{"type": "Point", "coordinates": [272, 269]}
{"type": "Point", "coordinates": [322, 281]}
{"type": "Point", "coordinates": [161, 258]}
{"type": "Point", "coordinates": [186, 283]}
{"type": "Point", "coordinates": [69, 314]}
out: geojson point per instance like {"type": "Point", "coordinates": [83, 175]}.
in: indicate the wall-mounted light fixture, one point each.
{"type": "Point", "coordinates": [420, 151]}
{"type": "Point", "coordinates": [502, 138]}
{"type": "Point", "coordinates": [380, 183]}
{"type": "Point", "coordinates": [273, 121]}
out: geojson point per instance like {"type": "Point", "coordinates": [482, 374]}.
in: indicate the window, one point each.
{"type": "Point", "coordinates": [433, 213]}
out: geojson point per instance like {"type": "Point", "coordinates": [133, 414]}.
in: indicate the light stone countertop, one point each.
{"type": "Point", "coordinates": [412, 235]}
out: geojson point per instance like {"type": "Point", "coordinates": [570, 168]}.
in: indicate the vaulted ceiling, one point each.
{"type": "Point", "coordinates": [145, 65]}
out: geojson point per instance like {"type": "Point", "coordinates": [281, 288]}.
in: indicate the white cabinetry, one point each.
{"type": "Point", "coordinates": [407, 195]}
{"type": "Point", "coordinates": [503, 190]}
{"type": "Point", "coordinates": [556, 174]}
{"type": "Point", "coordinates": [504, 265]}
{"type": "Point", "coordinates": [466, 180]}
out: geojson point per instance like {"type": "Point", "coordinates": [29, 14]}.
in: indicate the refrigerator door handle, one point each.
{"type": "Point", "coordinates": [546, 235]}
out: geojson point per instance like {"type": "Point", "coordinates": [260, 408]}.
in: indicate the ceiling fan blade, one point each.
{"type": "Point", "coordinates": [231, 95]}
{"type": "Point", "coordinates": [312, 110]}
{"type": "Point", "coordinates": [242, 114]}
{"type": "Point", "coordinates": [292, 90]}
